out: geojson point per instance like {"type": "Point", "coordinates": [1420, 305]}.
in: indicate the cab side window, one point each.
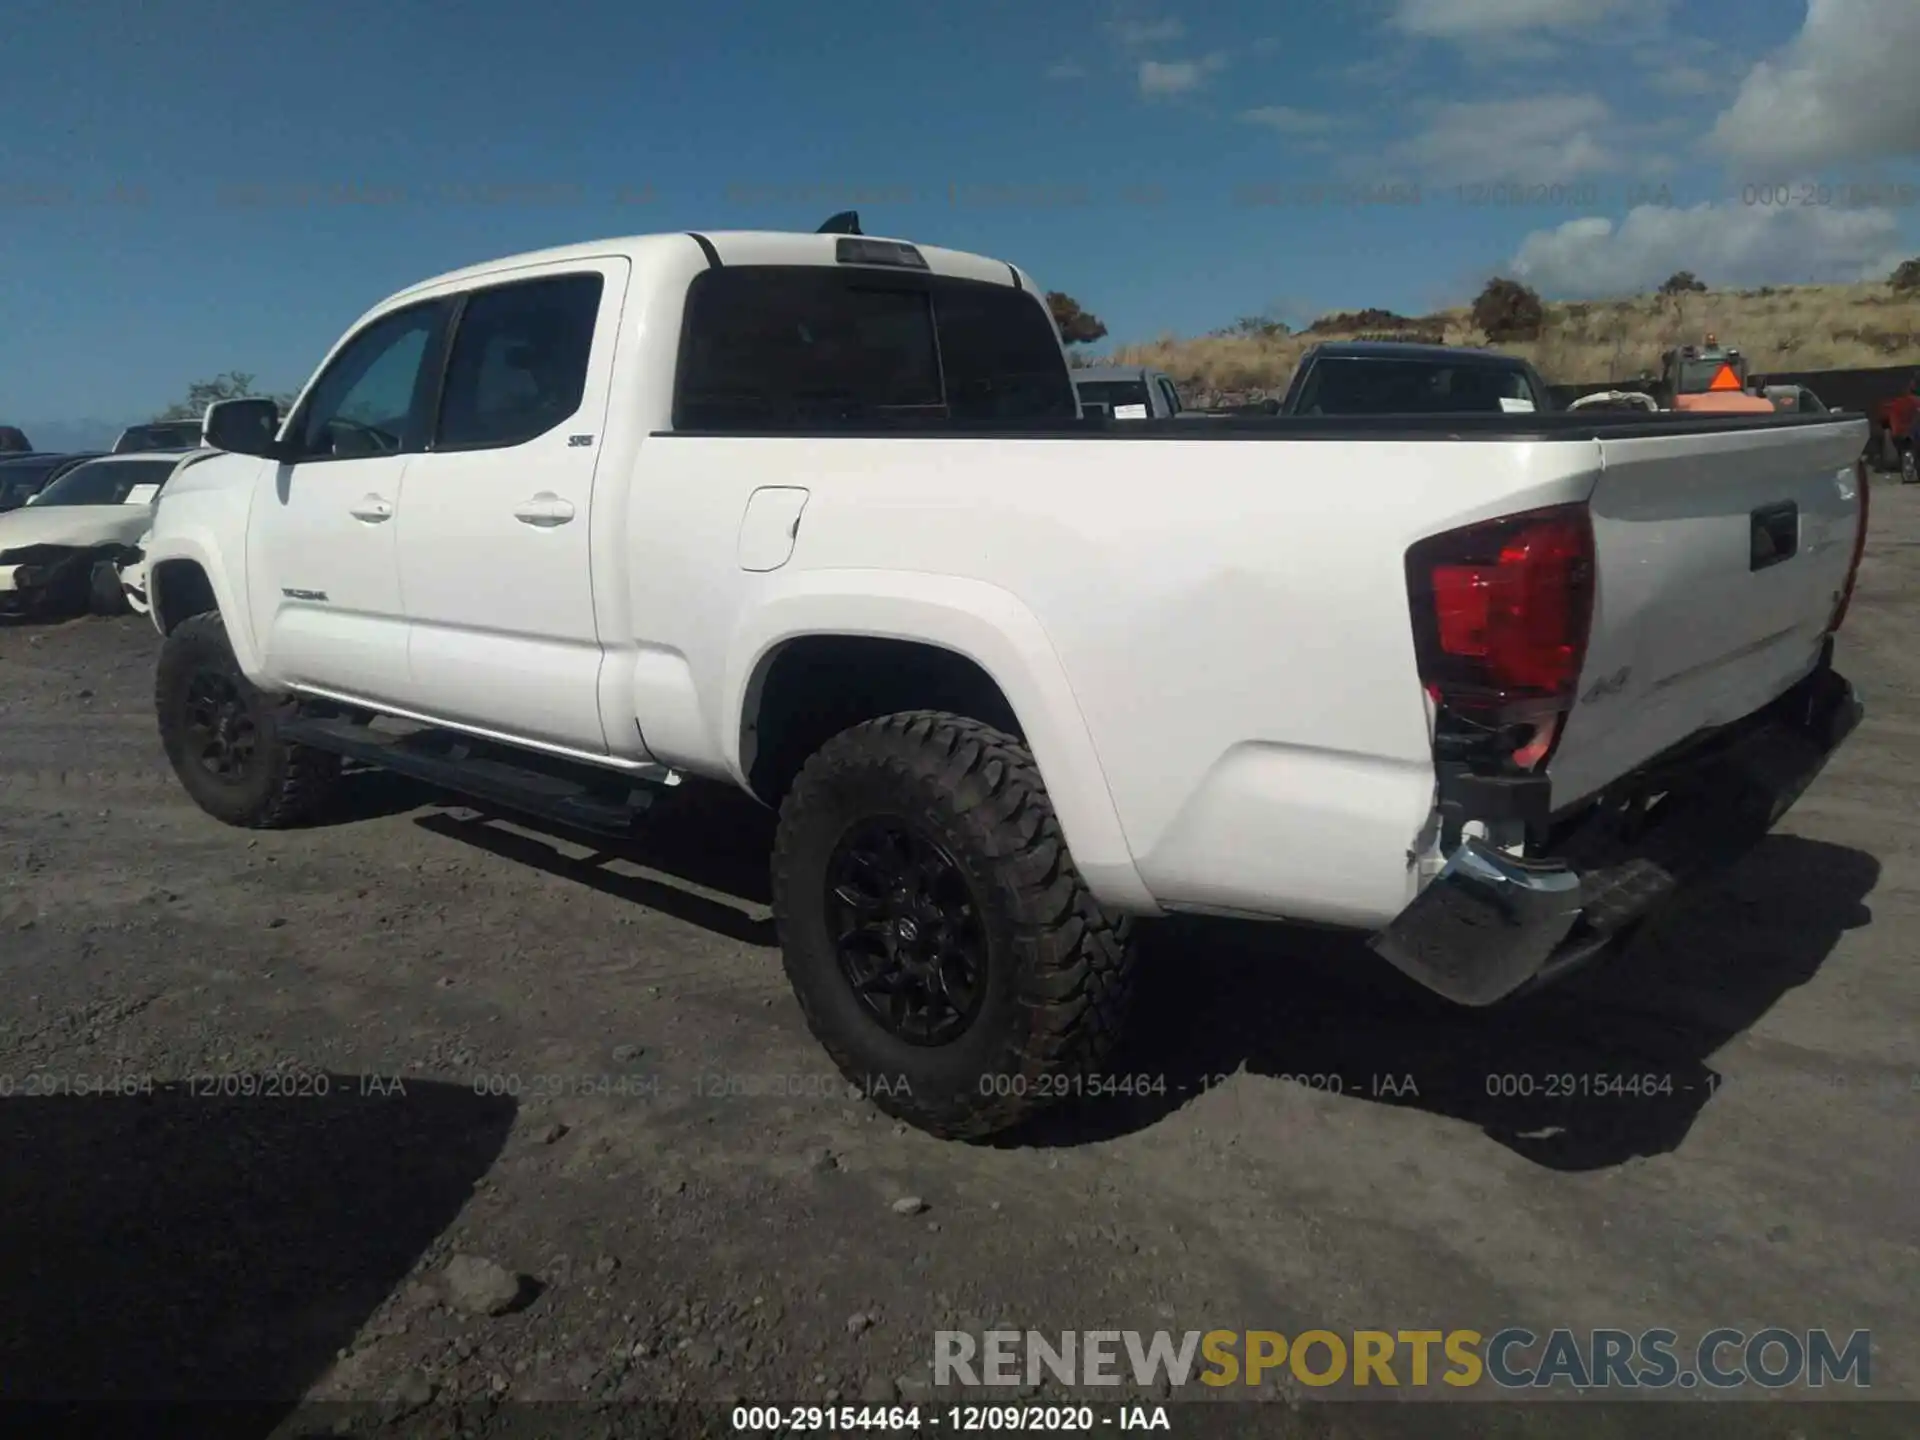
{"type": "Point", "coordinates": [370, 400]}
{"type": "Point", "coordinates": [519, 362]}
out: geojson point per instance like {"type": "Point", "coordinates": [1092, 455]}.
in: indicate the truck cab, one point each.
{"type": "Point", "coordinates": [1127, 392]}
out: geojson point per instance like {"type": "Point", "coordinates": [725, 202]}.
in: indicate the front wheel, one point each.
{"type": "Point", "coordinates": [943, 947]}
{"type": "Point", "coordinates": [221, 735]}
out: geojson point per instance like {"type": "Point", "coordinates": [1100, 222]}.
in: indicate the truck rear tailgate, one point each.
{"type": "Point", "coordinates": [1720, 559]}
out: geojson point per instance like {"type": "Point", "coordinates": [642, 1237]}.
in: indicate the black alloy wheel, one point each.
{"type": "Point", "coordinates": [222, 735]}
{"type": "Point", "coordinates": [907, 931]}
{"type": "Point", "coordinates": [220, 726]}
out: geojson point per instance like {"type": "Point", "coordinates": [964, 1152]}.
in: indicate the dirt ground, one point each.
{"type": "Point", "coordinates": [587, 1070]}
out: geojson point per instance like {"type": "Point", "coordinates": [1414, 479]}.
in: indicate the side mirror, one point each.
{"type": "Point", "coordinates": [244, 427]}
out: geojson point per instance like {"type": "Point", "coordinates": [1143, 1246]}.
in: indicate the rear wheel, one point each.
{"type": "Point", "coordinates": [221, 735]}
{"type": "Point", "coordinates": [943, 947]}
{"type": "Point", "coordinates": [1909, 465]}
{"type": "Point", "coordinates": [105, 595]}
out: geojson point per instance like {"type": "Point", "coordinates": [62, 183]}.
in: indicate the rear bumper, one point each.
{"type": "Point", "coordinates": [1490, 924]}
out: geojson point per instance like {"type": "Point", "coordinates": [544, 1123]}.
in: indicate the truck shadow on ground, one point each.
{"type": "Point", "coordinates": [173, 1249]}
{"type": "Point", "coordinates": [1608, 1065]}
{"type": "Point", "coordinates": [708, 837]}
{"type": "Point", "coordinates": [1559, 1076]}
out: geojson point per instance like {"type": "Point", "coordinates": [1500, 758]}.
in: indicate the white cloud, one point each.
{"type": "Point", "coordinates": [1846, 89]}
{"type": "Point", "coordinates": [1543, 140]}
{"type": "Point", "coordinates": [1724, 243]}
{"type": "Point", "coordinates": [1066, 70]}
{"type": "Point", "coordinates": [1166, 78]}
{"type": "Point", "coordinates": [1148, 32]}
{"type": "Point", "coordinates": [1463, 19]}
{"type": "Point", "coordinates": [1286, 120]}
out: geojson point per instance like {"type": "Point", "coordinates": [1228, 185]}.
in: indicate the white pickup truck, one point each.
{"type": "Point", "coordinates": [816, 515]}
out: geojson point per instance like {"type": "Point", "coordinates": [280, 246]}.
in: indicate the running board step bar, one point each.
{"type": "Point", "coordinates": [459, 763]}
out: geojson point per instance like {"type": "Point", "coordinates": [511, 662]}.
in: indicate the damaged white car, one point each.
{"type": "Point", "coordinates": [133, 576]}
{"type": "Point", "coordinates": [62, 552]}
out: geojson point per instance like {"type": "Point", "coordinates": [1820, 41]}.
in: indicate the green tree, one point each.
{"type": "Point", "coordinates": [1906, 275]}
{"type": "Point", "coordinates": [233, 385]}
{"type": "Point", "coordinates": [1683, 282]}
{"type": "Point", "coordinates": [1077, 326]}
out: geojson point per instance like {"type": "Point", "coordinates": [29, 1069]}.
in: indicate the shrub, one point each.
{"type": "Point", "coordinates": [1906, 275]}
{"type": "Point", "coordinates": [1507, 310]}
{"type": "Point", "coordinates": [1348, 321]}
{"type": "Point", "coordinates": [1256, 327]}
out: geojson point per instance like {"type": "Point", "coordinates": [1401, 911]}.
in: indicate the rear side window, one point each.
{"type": "Point", "coordinates": [773, 347]}
{"type": "Point", "coordinates": [1110, 393]}
{"type": "Point", "coordinates": [519, 361]}
{"type": "Point", "coordinates": [1000, 354]}
{"type": "Point", "coordinates": [794, 347]}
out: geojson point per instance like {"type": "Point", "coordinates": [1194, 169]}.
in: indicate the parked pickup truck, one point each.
{"type": "Point", "coordinates": [816, 516]}
{"type": "Point", "coordinates": [1391, 377]}
{"type": "Point", "coordinates": [1127, 392]}
{"type": "Point", "coordinates": [158, 435]}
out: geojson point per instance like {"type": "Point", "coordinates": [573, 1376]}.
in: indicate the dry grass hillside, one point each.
{"type": "Point", "coordinates": [1806, 327]}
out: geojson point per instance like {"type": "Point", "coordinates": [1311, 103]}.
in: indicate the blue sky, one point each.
{"type": "Point", "coordinates": [187, 189]}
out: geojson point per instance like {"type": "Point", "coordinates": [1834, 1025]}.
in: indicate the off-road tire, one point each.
{"type": "Point", "coordinates": [105, 596]}
{"type": "Point", "coordinates": [1059, 969]}
{"type": "Point", "coordinates": [283, 784]}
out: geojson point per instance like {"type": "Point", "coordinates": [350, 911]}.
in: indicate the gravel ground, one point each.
{"type": "Point", "coordinates": [575, 1143]}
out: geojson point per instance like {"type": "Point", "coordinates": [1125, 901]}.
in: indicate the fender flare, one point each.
{"type": "Point", "coordinates": [195, 548]}
{"type": "Point", "coordinates": [983, 623]}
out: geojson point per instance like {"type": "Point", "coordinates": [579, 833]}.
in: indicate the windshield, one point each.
{"type": "Point", "coordinates": [105, 482]}
{"type": "Point", "coordinates": [23, 478]}
{"type": "Point", "coordinates": [1356, 385]}
{"type": "Point", "coordinates": [1112, 393]}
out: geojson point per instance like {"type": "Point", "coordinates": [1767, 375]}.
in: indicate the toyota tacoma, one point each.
{"type": "Point", "coordinates": [817, 516]}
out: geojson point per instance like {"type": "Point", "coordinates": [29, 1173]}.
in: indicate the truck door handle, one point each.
{"type": "Point", "coordinates": [372, 509]}
{"type": "Point", "coordinates": [545, 510]}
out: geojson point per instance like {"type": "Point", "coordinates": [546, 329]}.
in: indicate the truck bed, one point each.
{"type": "Point", "coordinates": [1535, 426]}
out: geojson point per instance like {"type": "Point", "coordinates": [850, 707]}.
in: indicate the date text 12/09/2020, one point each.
{"type": "Point", "coordinates": [991, 1419]}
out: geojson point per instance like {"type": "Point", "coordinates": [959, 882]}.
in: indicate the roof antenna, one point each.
{"type": "Point", "coordinates": [847, 222]}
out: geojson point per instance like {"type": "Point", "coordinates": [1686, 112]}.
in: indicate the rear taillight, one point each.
{"type": "Point", "coordinates": [1500, 614]}
{"type": "Point", "coordinates": [1859, 549]}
